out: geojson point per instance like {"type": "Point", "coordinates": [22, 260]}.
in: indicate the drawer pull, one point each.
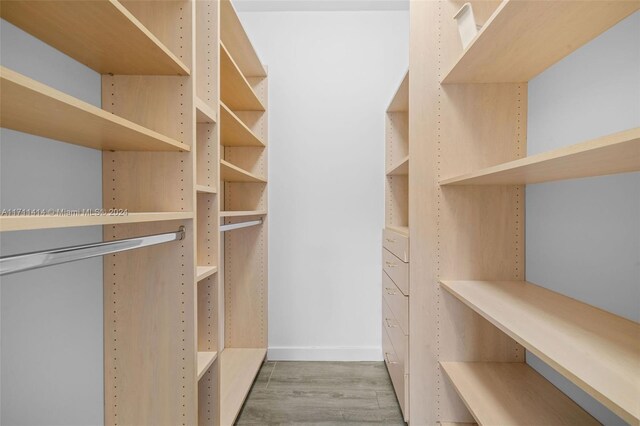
{"type": "Point", "coordinates": [389, 325]}
{"type": "Point", "coordinates": [386, 357]}
{"type": "Point", "coordinates": [390, 240]}
{"type": "Point", "coordinates": [390, 291]}
{"type": "Point", "coordinates": [390, 264]}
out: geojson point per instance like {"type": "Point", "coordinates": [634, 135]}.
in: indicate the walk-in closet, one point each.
{"type": "Point", "coordinates": [319, 212]}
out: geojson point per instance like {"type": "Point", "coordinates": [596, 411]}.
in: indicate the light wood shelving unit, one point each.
{"type": "Point", "coordinates": [32, 107]}
{"type": "Point", "coordinates": [507, 393]}
{"type": "Point", "coordinates": [164, 70]}
{"type": "Point", "coordinates": [611, 154]}
{"type": "Point", "coordinates": [234, 132]}
{"type": "Point", "coordinates": [232, 173]}
{"type": "Point", "coordinates": [204, 113]}
{"type": "Point", "coordinates": [236, 91]}
{"type": "Point", "coordinates": [396, 335]}
{"type": "Point", "coordinates": [243, 196]}
{"type": "Point", "coordinates": [466, 209]}
{"type": "Point", "coordinates": [603, 358]}
{"type": "Point", "coordinates": [203, 272]}
{"type": "Point", "coordinates": [523, 38]}
{"type": "Point", "coordinates": [31, 222]}
{"type": "Point", "coordinates": [239, 368]}
{"type": "Point", "coordinates": [205, 360]}
{"type": "Point", "coordinates": [104, 35]}
{"type": "Point", "coordinates": [243, 213]}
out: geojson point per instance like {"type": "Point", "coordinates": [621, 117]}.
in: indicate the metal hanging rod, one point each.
{"type": "Point", "coordinates": [232, 226]}
{"type": "Point", "coordinates": [40, 259]}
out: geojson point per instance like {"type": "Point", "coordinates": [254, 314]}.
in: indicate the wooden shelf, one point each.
{"type": "Point", "coordinates": [103, 35]}
{"type": "Point", "coordinates": [404, 230]}
{"type": "Point", "coordinates": [205, 189]}
{"type": "Point", "coordinates": [204, 113]}
{"type": "Point", "coordinates": [203, 272]}
{"type": "Point", "coordinates": [596, 350]}
{"type": "Point", "coordinates": [400, 169]}
{"type": "Point", "coordinates": [32, 107]}
{"type": "Point", "coordinates": [400, 101]}
{"type": "Point", "coordinates": [205, 360]}
{"type": "Point", "coordinates": [512, 394]}
{"type": "Point", "coordinates": [233, 132]}
{"type": "Point", "coordinates": [616, 153]}
{"type": "Point", "coordinates": [523, 38]}
{"type": "Point", "coordinates": [239, 213]}
{"type": "Point", "coordinates": [235, 38]}
{"type": "Point", "coordinates": [235, 90]}
{"type": "Point", "coordinates": [238, 369]}
{"type": "Point", "coordinates": [232, 173]}
{"type": "Point", "coordinates": [24, 223]}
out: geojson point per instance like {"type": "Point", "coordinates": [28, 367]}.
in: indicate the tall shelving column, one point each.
{"type": "Point", "coordinates": [146, 130]}
{"type": "Point", "coordinates": [395, 243]}
{"type": "Point", "coordinates": [468, 294]}
{"type": "Point", "coordinates": [243, 197]}
{"type": "Point", "coordinates": [206, 95]}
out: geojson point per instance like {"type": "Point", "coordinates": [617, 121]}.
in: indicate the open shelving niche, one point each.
{"type": "Point", "coordinates": [473, 185]}
{"type": "Point", "coordinates": [397, 158]}
{"type": "Point", "coordinates": [243, 196]}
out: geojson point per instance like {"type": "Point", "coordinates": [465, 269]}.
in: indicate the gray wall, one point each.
{"type": "Point", "coordinates": [583, 236]}
{"type": "Point", "coordinates": [51, 360]}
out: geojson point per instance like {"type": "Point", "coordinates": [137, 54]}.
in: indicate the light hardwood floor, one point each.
{"type": "Point", "coordinates": [321, 393]}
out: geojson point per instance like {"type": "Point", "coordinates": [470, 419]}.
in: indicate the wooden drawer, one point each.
{"type": "Point", "coordinates": [396, 372]}
{"type": "Point", "coordinates": [398, 338]}
{"type": "Point", "coordinates": [398, 302]}
{"type": "Point", "coordinates": [396, 243]}
{"type": "Point", "coordinates": [397, 270]}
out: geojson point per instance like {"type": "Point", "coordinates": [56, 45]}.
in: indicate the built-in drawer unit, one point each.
{"type": "Point", "coordinates": [396, 362]}
{"type": "Point", "coordinates": [397, 270]}
{"type": "Point", "coordinates": [397, 302]}
{"type": "Point", "coordinates": [396, 243]}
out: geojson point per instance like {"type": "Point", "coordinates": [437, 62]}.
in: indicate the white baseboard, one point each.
{"type": "Point", "coordinates": [325, 353]}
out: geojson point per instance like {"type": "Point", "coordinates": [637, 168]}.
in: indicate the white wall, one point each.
{"type": "Point", "coordinates": [583, 236]}
{"type": "Point", "coordinates": [50, 319]}
{"type": "Point", "coordinates": [331, 77]}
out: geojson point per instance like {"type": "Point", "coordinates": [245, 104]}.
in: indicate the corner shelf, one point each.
{"type": "Point", "coordinates": [233, 132]}
{"type": "Point", "coordinates": [616, 153]}
{"type": "Point", "coordinates": [205, 360]}
{"type": "Point", "coordinates": [235, 90]}
{"type": "Point", "coordinates": [242, 213]}
{"type": "Point", "coordinates": [32, 107]}
{"type": "Point", "coordinates": [596, 350]}
{"type": "Point", "coordinates": [523, 38]}
{"type": "Point", "coordinates": [203, 272]}
{"type": "Point", "coordinates": [400, 169]}
{"type": "Point", "coordinates": [102, 35]}
{"type": "Point", "coordinates": [400, 101]}
{"type": "Point", "coordinates": [238, 369]}
{"type": "Point", "coordinates": [232, 173]}
{"type": "Point", "coordinates": [25, 223]}
{"type": "Point", "coordinates": [204, 113]}
{"type": "Point", "coordinates": [235, 38]}
{"type": "Point", "coordinates": [205, 189]}
{"type": "Point", "coordinates": [512, 393]}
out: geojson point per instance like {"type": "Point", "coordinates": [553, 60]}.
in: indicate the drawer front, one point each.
{"type": "Point", "coordinates": [397, 270]}
{"type": "Point", "coordinates": [396, 372]}
{"type": "Point", "coordinates": [398, 302]}
{"type": "Point", "coordinates": [398, 339]}
{"type": "Point", "coordinates": [396, 243]}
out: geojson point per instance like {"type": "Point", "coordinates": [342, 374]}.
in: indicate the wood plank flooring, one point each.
{"type": "Point", "coordinates": [321, 393]}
